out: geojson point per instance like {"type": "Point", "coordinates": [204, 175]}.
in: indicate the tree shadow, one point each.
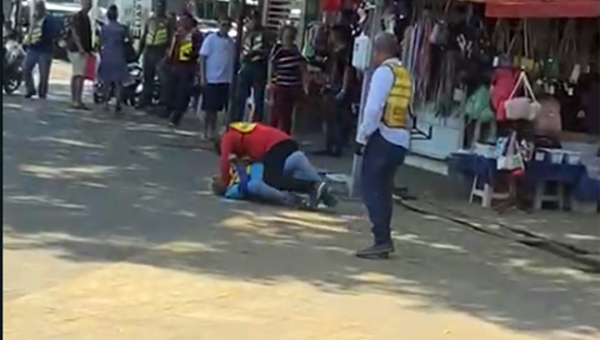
{"type": "Point", "coordinates": [97, 190]}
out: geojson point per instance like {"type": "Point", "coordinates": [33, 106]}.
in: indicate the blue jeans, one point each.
{"type": "Point", "coordinates": [259, 189]}
{"type": "Point", "coordinates": [380, 162]}
{"type": "Point", "coordinates": [43, 60]}
{"type": "Point", "coordinates": [298, 166]}
{"type": "Point", "coordinates": [252, 76]}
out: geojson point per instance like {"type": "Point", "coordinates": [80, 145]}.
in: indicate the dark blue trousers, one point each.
{"type": "Point", "coordinates": [380, 161]}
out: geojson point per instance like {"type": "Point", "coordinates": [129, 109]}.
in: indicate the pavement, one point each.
{"type": "Point", "coordinates": [109, 232]}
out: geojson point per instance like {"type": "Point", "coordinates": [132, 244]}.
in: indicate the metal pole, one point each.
{"type": "Point", "coordinates": [374, 28]}
{"type": "Point", "coordinates": [233, 104]}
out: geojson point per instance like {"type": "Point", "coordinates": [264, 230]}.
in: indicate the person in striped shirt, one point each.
{"type": "Point", "coordinates": [253, 70]}
{"type": "Point", "coordinates": [287, 73]}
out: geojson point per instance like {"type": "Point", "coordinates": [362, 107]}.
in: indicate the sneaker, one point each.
{"type": "Point", "coordinates": [377, 251]}
{"type": "Point", "coordinates": [315, 197]}
{"type": "Point", "coordinates": [329, 199]}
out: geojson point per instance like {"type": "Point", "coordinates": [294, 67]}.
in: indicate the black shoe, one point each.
{"type": "Point", "coordinates": [328, 198]}
{"type": "Point", "coordinates": [29, 95]}
{"type": "Point", "coordinates": [378, 251]}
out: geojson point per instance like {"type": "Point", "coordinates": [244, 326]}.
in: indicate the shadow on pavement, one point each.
{"type": "Point", "coordinates": [96, 189]}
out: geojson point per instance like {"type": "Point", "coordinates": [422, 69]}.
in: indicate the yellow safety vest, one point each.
{"type": "Point", "coordinates": [157, 33]}
{"type": "Point", "coordinates": [35, 35]}
{"type": "Point", "coordinates": [185, 48]}
{"type": "Point", "coordinates": [396, 111]}
{"type": "Point", "coordinates": [243, 127]}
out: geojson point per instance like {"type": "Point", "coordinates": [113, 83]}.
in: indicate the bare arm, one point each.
{"type": "Point", "coordinates": [347, 77]}
{"type": "Point", "coordinates": [202, 64]}
{"type": "Point", "coordinates": [305, 75]}
{"type": "Point", "coordinates": [143, 40]}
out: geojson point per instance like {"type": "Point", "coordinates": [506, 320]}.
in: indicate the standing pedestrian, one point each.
{"type": "Point", "coordinates": [182, 67]}
{"type": "Point", "coordinates": [341, 77]}
{"type": "Point", "coordinates": [383, 139]}
{"type": "Point", "coordinates": [112, 70]}
{"type": "Point", "coordinates": [154, 45]}
{"type": "Point", "coordinates": [39, 44]}
{"type": "Point", "coordinates": [253, 71]}
{"type": "Point", "coordinates": [287, 71]}
{"type": "Point", "coordinates": [79, 44]}
{"type": "Point", "coordinates": [217, 56]}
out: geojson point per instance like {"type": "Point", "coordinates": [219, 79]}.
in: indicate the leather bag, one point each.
{"type": "Point", "coordinates": [548, 122]}
{"type": "Point", "coordinates": [527, 107]}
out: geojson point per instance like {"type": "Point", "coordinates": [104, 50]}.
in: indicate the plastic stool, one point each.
{"type": "Point", "coordinates": [486, 192]}
{"type": "Point", "coordinates": [542, 195]}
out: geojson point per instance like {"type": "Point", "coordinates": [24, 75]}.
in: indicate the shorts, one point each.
{"type": "Point", "coordinates": [215, 97]}
{"type": "Point", "coordinates": [78, 63]}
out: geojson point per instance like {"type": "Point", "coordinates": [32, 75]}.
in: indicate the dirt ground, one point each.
{"type": "Point", "coordinates": [109, 233]}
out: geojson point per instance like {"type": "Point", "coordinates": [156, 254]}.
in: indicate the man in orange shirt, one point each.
{"type": "Point", "coordinates": [285, 166]}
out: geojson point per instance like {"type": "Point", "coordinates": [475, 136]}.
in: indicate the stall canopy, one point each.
{"type": "Point", "coordinates": [541, 8]}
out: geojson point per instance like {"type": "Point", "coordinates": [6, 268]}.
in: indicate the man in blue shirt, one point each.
{"type": "Point", "coordinates": [247, 184]}
{"type": "Point", "coordinates": [39, 44]}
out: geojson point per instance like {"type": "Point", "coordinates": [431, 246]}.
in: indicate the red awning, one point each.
{"type": "Point", "coordinates": [542, 8]}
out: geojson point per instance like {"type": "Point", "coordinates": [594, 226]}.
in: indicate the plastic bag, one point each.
{"type": "Point", "coordinates": [478, 106]}
{"type": "Point", "coordinates": [90, 68]}
{"type": "Point", "coordinates": [510, 158]}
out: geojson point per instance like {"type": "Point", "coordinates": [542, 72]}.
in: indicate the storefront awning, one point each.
{"type": "Point", "coordinates": [541, 8]}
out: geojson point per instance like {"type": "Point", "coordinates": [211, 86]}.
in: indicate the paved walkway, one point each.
{"type": "Point", "coordinates": [109, 233]}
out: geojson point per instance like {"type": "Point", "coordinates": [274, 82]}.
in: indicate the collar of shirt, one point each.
{"type": "Point", "coordinates": [393, 60]}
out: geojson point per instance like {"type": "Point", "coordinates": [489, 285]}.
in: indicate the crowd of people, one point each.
{"type": "Point", "coordinates": [182, 65]}
{"type": "Point", "coordinates": [259, 159]}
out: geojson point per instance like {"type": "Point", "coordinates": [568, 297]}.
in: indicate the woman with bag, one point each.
{"type": "Point", "coordinates": [113, 70]}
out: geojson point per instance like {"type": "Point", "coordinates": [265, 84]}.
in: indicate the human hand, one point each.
{"type": "Point", "coordinates": [359, 149]}
{"type": "Point", "coordinates": [340, 95]}
{"type": "Point", "coordinates": [217, 187]}
{"type": "Point", "coordinates": [269, 94]}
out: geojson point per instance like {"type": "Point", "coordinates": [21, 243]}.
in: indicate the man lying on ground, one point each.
{"type": "Point", "coordinates": [286, 168]}
{"type": "Point", "coordinates": [247, 184]}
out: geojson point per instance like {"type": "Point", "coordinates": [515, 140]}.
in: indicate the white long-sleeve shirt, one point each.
{"type": "Point", "coordinates": [379, 89]}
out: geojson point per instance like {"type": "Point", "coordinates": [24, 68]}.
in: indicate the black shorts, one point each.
{"type": "Point", "coordinates": [215, 97]}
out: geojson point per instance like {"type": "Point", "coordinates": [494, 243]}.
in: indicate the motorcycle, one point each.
{"type": "Point", "coordinates": [12, 66]}
{"type": "Point", "coordinates": [130, 92]}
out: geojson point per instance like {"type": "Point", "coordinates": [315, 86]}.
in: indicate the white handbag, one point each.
{"type": "Point", "coordinates": [527, 107]}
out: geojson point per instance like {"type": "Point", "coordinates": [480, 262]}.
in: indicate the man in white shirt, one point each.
{"type": "Point", "coordinates": [383, 139]}
{"type": "Point", "coordinates": [216, 72]}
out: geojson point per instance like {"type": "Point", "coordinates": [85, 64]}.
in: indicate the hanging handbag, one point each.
{"type": "Point", "coordinates": [526, 107]}
{"type": "Point", "coordinates": [548, 122]}
{"type": "Point", "coordinates": [440, 34]}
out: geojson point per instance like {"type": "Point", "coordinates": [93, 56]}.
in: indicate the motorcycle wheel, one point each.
{"type": "Point", "coordinates": [12, 84]}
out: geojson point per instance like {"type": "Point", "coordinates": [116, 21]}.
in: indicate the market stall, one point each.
{"type": "Point", "coordinates": [534, 120]}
